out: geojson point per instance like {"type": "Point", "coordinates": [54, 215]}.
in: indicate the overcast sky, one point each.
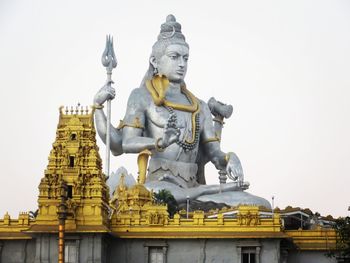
{"type": "Point", "coordinates": [283, 65]}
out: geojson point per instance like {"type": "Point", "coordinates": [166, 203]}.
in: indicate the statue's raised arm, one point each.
{"type": "Point", "coordinates": [107, 92]}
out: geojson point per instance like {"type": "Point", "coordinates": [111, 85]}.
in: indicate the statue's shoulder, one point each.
{"type": "Point", "coordinates": [204, 106]}
{"type": "Point", "coordinates": [139, 96]}
{"type": "Point", "coordinates": [202, 103]}
{"type": "Point", "coordinates": [141, 91]}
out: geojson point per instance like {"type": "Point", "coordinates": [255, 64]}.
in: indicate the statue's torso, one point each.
{"type": "Point", "coordinates": [174, 162]}
{"type": "Point", "coordinates": [156, 118]}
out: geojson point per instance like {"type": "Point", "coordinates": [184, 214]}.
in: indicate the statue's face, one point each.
{"type": "Point", "coordinates": [173, 63]}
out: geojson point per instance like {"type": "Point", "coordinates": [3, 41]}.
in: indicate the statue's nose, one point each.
{"type": "Point", "coordinates": [181, 62]}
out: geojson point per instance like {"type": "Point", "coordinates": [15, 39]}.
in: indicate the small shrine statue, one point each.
{"type": "Point", "coordinates": [164, 117]}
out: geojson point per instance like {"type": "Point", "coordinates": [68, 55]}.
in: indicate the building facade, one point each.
{"type": "Point", "coordinates": [75, 215]}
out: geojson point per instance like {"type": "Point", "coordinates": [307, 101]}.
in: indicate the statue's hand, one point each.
{"type": "Point", "coordinates": [107, 92]}
{"type": "Point", "coordinates": [234, 168]}
{"type": "Point", "coordinates": [171, 132]}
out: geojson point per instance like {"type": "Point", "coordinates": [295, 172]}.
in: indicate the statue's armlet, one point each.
{"type": "Point", "coordinates": [134, 119]}
{"type": "Point", "coordinates": [136, 123]}
{"type": "Point", "coordinates": [212, 139]}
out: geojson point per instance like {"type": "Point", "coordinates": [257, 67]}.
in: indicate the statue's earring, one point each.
{"type": "Point", "coordinates": [155, 71]}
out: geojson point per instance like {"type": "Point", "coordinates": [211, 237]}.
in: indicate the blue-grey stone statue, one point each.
{"type": "Point", "coordinates": [164, 117]}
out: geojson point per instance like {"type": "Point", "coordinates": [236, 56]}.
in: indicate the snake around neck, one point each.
{"type": "Point", "coordinates": [157, 87]}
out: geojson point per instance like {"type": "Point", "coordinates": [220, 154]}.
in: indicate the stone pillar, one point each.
{"type": "Point", "coordinates": [77, 259]}
{"type": "Point", "coordinates": [95, 249]}
{"type": "Point", "coordinates": [45, 249]}
{"type": "Point", "coordinates": [145, 253]}
{"type": "Point", "coordinates": [165, 254]}
{"type": "Point", "coordinates": [239, 254]}
{"type": "Point", "coordinates": [91, 249]}
{"type": "Point", "coordinates": [257, 254]}
{"type": "Point", "coordinates": [37, 250]}
{"type": "Point", "coordinates": [42, 254]}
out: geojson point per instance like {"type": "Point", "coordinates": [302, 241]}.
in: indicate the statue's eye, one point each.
{"type": "Point", "coordinates": [186, 59]}
{"type": "Point", "coordinates": [173, 57]}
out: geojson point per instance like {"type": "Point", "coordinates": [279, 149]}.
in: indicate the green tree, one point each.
{"type": "Point", "coordinates": [342, 228]}
{"type": "Point", "coordinates": [165, 197]}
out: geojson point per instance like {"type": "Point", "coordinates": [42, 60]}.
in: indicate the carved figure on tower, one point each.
{"type": "Point", "coordinates": [177, 128]}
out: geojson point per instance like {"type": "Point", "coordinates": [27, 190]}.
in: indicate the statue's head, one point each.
{"type": "Point", "coordinates": [170, 52]}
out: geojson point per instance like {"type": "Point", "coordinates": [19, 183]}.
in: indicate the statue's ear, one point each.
{"type": "Point", "coordinates": [153, 61]}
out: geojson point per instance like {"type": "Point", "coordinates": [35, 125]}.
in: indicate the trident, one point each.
{"type": "Point", "coordinates": [109, 62]}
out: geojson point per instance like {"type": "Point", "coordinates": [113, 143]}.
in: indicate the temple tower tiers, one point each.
{"type": "Point", "coordinates": [74, 160]}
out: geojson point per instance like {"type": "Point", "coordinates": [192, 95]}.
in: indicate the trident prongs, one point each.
{"type": "Point", "coordinates": [109, 60]}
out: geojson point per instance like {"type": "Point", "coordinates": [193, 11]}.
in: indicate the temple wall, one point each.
{"type": "Point", "coordinates": [191, 250]}
{"type": "Point", "coordinates": [90, 248]}
{"type": "Point", "coordinates": [270, 251]}
{"type": "Point", "coordinates": [46, 248]}
{"type": "Point", "coordinates": [17, 251]}
{"type": "Point", "coordinates": [126, 250]}
{"type": "Point", "coordinates": [309, 257]}
{"type": "Point", "coordinates": [100, 248]}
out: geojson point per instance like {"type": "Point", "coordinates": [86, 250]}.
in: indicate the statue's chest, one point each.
{"type": "Point", "coordinates": [159, 116]}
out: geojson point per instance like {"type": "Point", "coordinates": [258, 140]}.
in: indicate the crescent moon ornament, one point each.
{"type": "Point", "coordinates": [171, 35]}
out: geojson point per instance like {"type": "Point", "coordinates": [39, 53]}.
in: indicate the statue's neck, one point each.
{"type": "Point", "coordinates": [173, 89]}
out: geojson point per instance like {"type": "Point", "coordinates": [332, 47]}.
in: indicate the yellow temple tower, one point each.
{"type": "Point", "coordinates": [75, 161]}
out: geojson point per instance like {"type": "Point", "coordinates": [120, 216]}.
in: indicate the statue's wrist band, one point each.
{"type": "Point", "coordinates": [97, 106]}
{"type": "Point", "coordinates": [159, 148]}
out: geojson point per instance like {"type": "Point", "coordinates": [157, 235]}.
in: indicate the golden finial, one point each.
{"type": "Point", "coordinates": [77, 108]}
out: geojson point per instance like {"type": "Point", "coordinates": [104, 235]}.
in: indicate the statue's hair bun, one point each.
{"type": "Point", "coordinates": [170, 29]}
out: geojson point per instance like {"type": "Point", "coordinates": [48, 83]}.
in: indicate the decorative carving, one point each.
{"type": "Point", "coordinates": [74, 159]}
{"type": "Point", "coordinates": [136, 203]}
{"type": "Point", "coordinates": [248, 216]}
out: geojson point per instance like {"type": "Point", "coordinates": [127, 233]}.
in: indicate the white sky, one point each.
{"type": "Point", "coordinates": [283, 65]}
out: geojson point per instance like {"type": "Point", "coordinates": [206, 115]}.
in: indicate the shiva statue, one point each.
{"type": "Point", "coordinates": [166, 119]}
